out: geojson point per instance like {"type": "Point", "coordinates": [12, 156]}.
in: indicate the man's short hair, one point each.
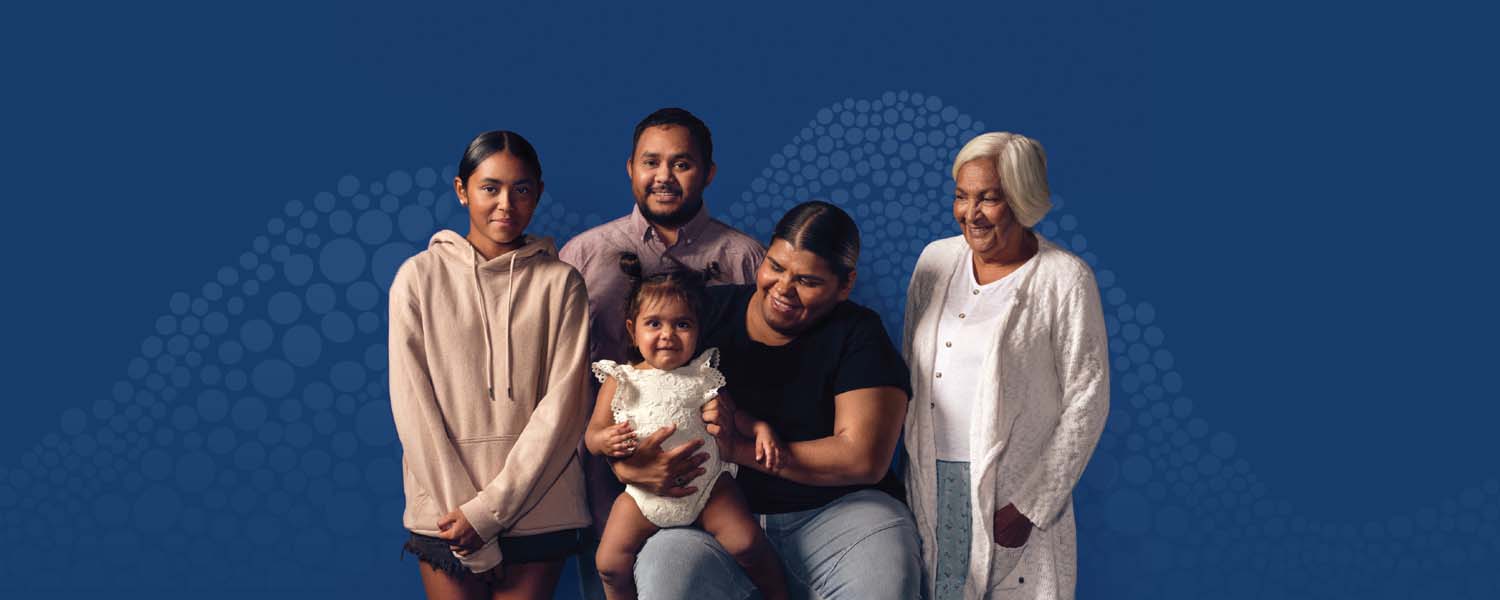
{"type": "Point", "coordinates": [676, 116]}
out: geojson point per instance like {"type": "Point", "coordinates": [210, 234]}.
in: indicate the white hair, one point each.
{"type": "Point", "coordinates": [1022, 166]}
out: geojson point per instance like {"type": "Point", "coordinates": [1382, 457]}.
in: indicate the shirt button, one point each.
{"type": "Point", "coordinates": [976, 292]}
{"type": "Point", "coordinates": [961, 315]}
{"type": "Point", "coordinates": [939, 375]}
{"type": "Point", "coordinates": [948, 344]}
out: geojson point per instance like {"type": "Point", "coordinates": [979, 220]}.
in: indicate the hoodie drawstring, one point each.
{"type": "Point", "coordinates": [484, 317]}
{"type": "Point", "coordinates": [510, 301]}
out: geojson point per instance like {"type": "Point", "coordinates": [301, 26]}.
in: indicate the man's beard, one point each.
{"type": "Point", "coordinates": [676, 218]}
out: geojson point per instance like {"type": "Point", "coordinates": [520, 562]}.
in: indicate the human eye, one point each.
{"type": "Point", "coordinates": [524, 190]}
{"type": "Point", "coordinates": [650, 162]}
{"type": "Point", "coordinates": [682, 165]}
{"type": "Point", "coordinates": [653, 323]}
{"type": "Point", "coordinates": [489, 189]}
{"type": "Point", "coordinates": [684, 324]}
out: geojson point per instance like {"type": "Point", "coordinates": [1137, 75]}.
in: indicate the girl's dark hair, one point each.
{"type": "Point", "coordinates": [826, 231]}
{"type": "Point", "coordinates": [486, 144]}
{"type": "Point", "coordinates": [684, 284]}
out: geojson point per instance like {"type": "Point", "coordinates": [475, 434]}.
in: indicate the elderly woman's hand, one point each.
{"type": "Point", "coordinates": [663, 472]}
{"type": "Point", "coordinates": [1012, 528]}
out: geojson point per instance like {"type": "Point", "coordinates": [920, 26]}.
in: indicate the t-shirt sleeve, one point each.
{"type": "Point", "coordinates": [869, 359]}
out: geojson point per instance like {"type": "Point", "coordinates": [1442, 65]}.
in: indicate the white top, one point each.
{"type": "Point", "coordinates": [967, 324]}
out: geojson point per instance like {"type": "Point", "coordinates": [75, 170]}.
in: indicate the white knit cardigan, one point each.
{"type": "Point", "coordinates": [1040, 404]}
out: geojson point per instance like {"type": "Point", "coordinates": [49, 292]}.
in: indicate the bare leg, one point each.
{"type": "Point", "coordinates": [727, 518]}
{"type": "Point", "coordinates": [624, 534]}
{"type": "Point", "coordinates": [529, 581]}
{"type": "Point", "coordinates": [442, 585]}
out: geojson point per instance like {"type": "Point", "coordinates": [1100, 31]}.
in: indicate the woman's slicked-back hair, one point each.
{"type": "Point", "coordinates": [490, 142]}
{"type": "Point", "coordinates": [1022, 166]}
{"type": "Point", "coordinates": [826, 231]}
{"type": "Point", "coordinates": [676, 116]}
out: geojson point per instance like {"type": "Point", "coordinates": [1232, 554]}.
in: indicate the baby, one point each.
{"type": "Point", "coordinates": [665, 386]}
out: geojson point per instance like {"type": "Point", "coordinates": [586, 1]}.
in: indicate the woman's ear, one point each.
{"type": "Point", "coordinates": [458, 190]}
{"type": "Point", "coordinates": [847, 286]}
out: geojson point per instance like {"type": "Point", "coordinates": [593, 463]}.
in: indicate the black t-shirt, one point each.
{"type": "Point", "coordinates": [791, 387]}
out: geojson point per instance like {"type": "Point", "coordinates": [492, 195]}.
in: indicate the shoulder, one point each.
{"type": "Point", "coordinates": [584, 245]}
{"type": "Point", "coordinates": [1058, 267]}
{"type": "Point", "coordinates": [855, 321]}
{"type": "Point", "coordinates": [553, 272]}
{"type": "Point", "coordinates": [414, 271]}
{"type": "Point", "coordinates": [719, 301]}
{"type": "Point", "coordinates": [943, 251]}
{"type": "Point", "coordinates": [735, 239]}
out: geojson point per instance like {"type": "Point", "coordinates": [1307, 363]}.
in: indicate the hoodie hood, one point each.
{"type": "Point", "coordinates": [456, 249]}
{"type": "Point", "coordinates": [452, 246]}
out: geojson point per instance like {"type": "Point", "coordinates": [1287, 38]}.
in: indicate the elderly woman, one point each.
{"type": "Point", "coordinates": [823, 373]}
{"type": "Point", "coordinates": [1009, 362]}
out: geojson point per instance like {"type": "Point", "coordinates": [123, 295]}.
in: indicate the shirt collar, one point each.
{"type": "Point", "coordinates": [688, 234]}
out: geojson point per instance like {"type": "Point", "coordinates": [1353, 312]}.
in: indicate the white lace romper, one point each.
{"type": "Point", "coordinates": [651, 398]}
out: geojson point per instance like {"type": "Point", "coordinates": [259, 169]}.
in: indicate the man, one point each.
{"type": "Point", "coordinates": [670, 165]}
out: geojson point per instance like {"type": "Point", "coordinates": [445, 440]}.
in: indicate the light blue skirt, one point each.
{"type": "Point", "coordinates": [952, 529]}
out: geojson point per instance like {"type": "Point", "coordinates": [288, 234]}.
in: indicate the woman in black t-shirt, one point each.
{"type": "Point", "coordinates": [822, 371]}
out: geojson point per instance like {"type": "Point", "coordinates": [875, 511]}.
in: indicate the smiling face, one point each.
{"type": "Point", "coordinates": [795, 288]}
{"type": "Point", "coordinates": [982, 213]}
{"type": "Point", "coordinates": [665, 331]}
{"type": "Point", "coordinates": [668, 175]}
{"type": "Point", "coordinates": [501, 195]}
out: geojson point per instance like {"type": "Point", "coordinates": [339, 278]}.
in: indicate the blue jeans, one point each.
{"type": "Point", "coordinates": [863, 545]}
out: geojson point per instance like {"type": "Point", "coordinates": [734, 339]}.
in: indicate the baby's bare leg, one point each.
{"type": "Point", "coordinates": [727, 517]}
{"type": "Point", "coordinates": [624, 534]}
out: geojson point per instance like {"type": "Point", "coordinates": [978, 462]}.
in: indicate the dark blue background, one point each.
{"type": "Point", "coordinates": [1298, 194]}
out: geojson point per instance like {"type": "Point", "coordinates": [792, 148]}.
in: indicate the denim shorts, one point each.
{"type": "Point", "coordinates": [542, 547]}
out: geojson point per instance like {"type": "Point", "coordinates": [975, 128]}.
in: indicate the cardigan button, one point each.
{"type": "Point", "coordinates": [976, 292]}
{"type": "Point", "coordinates": [939, 375]}
{"type": "Point", "coordinates": [948, 344]}
{"type": "Point", "coordinates": [1020, 580]}
{"type": "Point", "coordinates": [961, 315]}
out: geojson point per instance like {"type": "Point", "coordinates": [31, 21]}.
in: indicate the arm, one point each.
{"type": "Point", "coordinates": [430, 454]}
{"type": "Point", "coordinates": [605, 437]}
{"type": "Point", "coordinates": [1080, 349]}
{"type": "Point", "coordinates": [548, 442]}
{"type": "Point", "coordinates": [769, 449]}
{"type": "Point", "coordinates": [866, 424]}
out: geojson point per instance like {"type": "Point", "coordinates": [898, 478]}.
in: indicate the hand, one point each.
{"type": "Point", "coordinates": [619, 440]}
{"type": "Point", "coordinates": [1012, 529]}
{"type": "Point", "coordinates": [768, 448]}
{"type": "Point", "coordinates": [455, 528]}
{"type": "Point", "coordinates": [718, 419]}
{"type": "Point", "coordinates": [662, 472]}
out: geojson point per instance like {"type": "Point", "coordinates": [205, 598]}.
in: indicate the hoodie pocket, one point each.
{"type": "Point", "coordinates": [485, 457]}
